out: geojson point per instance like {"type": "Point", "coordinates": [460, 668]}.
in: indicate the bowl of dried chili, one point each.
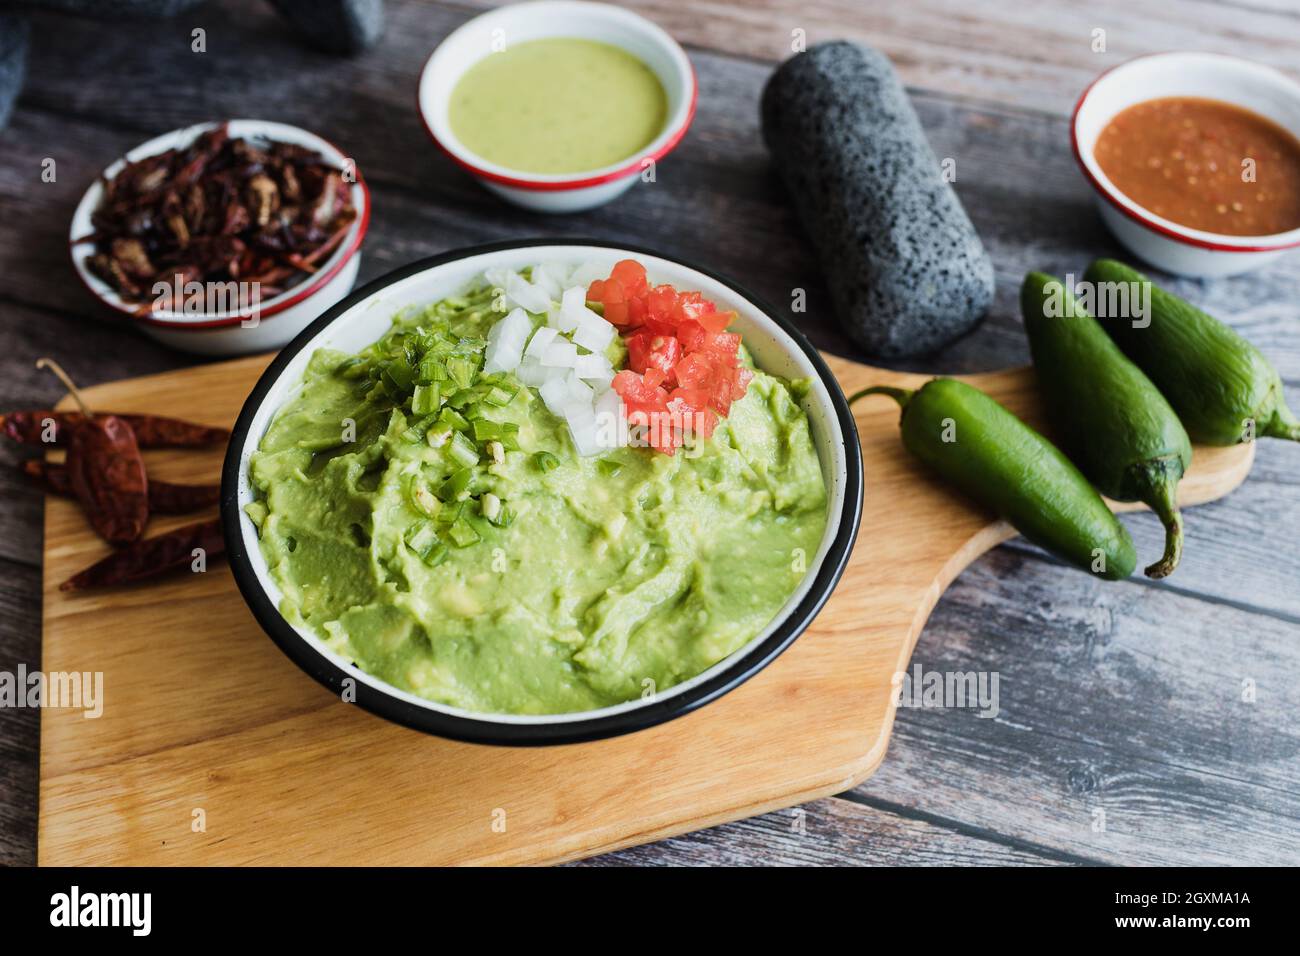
{"type": "Point", "coordinates": [223, 238]}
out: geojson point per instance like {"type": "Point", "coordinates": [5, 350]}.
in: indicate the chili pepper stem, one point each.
{"type": "Point", "coordinates": [900, 395]}
{"type": "Point", "coordinates": [1282, 425]}
{"type": "Point", "coordinates": [66, 379]}
{"type": "Point", "coordinates": [1160, 494]}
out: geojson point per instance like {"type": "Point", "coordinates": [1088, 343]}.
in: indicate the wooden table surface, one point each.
{"type": "Point", "coordinates": [1141, 722]}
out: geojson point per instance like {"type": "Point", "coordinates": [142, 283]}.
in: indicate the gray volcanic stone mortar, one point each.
{"type": "Point", "coordinates": [342, 27]}
{"type": "Point", "coordinates": [13, 61]}
{"type": "Point", "coordinates": [906, 270]}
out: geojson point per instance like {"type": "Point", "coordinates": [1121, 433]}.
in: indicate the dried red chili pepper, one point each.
{"type": "Point", "coordinates": [165, 497]}
{"type": "Point", "coordinates": [220, 209]}
{"type": "Point", "coordinates": [50, 428]}
{"type": "Point", "coordinates": [152, 557]}
{"type": "Point", "coordinates": [105, 470]}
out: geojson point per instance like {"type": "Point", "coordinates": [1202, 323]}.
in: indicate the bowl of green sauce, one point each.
{"type": "Point", "coordinates": [558, 106]}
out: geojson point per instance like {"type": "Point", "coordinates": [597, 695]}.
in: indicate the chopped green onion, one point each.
{"type": "Point", "coordinates": [462, 450]}
{"type": "Point", "coordinates": [510, 436]}
{"type": "Point", "coordinates": [608, 467]}
{"type": "Point", "coordinates": [398, 372]}
{"type": "Point", "coordinates": [421, 538]}
{"type": "Point", "coordinates": [462, 534]}
{"type": "Point", "coordinates": [461, 370]}
{"type": "Point", "coordinates": [420, 497]}
{"type": "Point", "coordinates": [499, 396]}
{"type": "Point", "coordinates": [453, 419]}
{"type": "Point", "coordinates": [545, 461]}
{"type": "Point", "coordinates": [425, 399]}
{"type": "Point", "coordinates": [431, 370]}
{"type": "Point", "coordinates": [485, 430]}
{"type": "Point", "coordinates": [453, 512]}
{"type": "Point", "coordinates": [418, 429]}
{"type": "Point", "coordinates": [457, 486]}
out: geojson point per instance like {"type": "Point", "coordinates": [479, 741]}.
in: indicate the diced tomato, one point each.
{"type": "Point", "coordinates": [631, 276]}
{"type": "Point", "coordinates": [635, 315]}
{"type": "Point", "coordinates": [743, 377]}
{"type": "Point", "coordinates": [695, 370]}
{"type": "Point", "coordinates": [727, 346]}
{"type": "Point", "coordinates": [645, 350]}
{"type": "Point", "coordinates": [683, 366]}
{"type": "Point", "coordinates": [714, 321]}
{"type": "Point", "coordinates": [660, 303]}
{"type": "Point", "coordinates": [690, 412]}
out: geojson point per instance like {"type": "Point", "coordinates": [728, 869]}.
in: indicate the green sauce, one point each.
{"type": "Point", "coordinates": [558, 106]}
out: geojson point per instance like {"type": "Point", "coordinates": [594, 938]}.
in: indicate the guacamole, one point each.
{"type": "Point", "coordinates": [544, 582]}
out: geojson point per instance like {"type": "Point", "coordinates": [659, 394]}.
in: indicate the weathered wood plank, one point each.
{"type": "Point", "coordinates": [1116, 699]}
{"type": "Point", "coordinates": [834, 832]}
{"type": "Point", "coordinates": [1031, 55]}
{"type": "Point", "coordinates": [20, 643]}
{"type": "Point", "coordinates": [715, 199]}
{"type": "Point", "coordinates": [88, 100]}
{"type": "Point", "coordinates": [92, 353]}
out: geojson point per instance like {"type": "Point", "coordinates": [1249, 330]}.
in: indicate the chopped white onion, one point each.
{"type": "Point", "coordinates": [530, 372]}
{"type": "Point", "coordinates": [560, 354]}
{"type": "Point", "coordinates": [586, 274]}
{"type": "Point", "coordinates": [546, 282]}
{"type": "Point", "coordinates": [555, 394]}
{"type": "Point", "coordinates": [594, 367]}
{"type": "Point", "coordinates": [611, 420]}
{"type": "Point", "coordinates": [579, 391]}
{"type": "Point", "coordinates": [573, 299]}
{"type": "Point", "coordinates": [540, 340]}
{"type": "Point", "coordinates": [526, 295]}
{"type": "Point", "coordinates": [573, 386]}
{"type": "Point", "coordinates": [593, 333]}
{"type": "Point", "coordinates": [506, 342]}
{"type": "Point", "coordinates": [559, 273]}
{"type": "Point", "coordinates": [496, 276]}
{"type": "Point", "coordinates": [583, 429]}
{"type": "Point", "coordinates": [561, 321]}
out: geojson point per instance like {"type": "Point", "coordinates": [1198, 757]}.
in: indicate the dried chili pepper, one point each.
{"type": "Point", "coordinates": [50, 428]}
{"type": "Point", "coordinates": [105, 470]}
{"type": "Point", "coordinates": [152, 557]}
{"type": "Point", "coordinates": [218, 209]}
{"type": "Point", "coordinates": [165, 497]}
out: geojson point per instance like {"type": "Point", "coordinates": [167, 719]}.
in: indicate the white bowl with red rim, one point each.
{"type": "Point", "coordinates": [545, 19]}
{"type": "Point", "coordinates": [244, 327]}
{"type": "Point", "coordinates": [1162, 242]}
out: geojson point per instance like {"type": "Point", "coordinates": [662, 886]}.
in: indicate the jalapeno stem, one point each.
{"type": "Point", "coordinates": [1160, 494]}
{"type": "Point", "coordinates": [1282, 425]}
{"type": "Point", "coordinates": [63, 377]}
{"type": "Point", "coordinates": [900, 395]}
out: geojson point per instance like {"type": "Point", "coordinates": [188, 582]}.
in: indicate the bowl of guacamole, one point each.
{"type": "Point", "coordinates": [541, 492]}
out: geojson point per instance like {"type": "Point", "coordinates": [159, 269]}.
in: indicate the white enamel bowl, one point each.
{"type": "Point", "coordinates": [366, 315]}
{"type": "Point", "coordinates": [521, 22]}
{"type": "Point", "coordinates": [234, 331]}
{"type": "Point", "coordinates": [1163, 243]}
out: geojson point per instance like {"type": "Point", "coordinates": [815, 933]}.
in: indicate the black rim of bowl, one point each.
{"type": "Point", "coordinates": [486, 731]}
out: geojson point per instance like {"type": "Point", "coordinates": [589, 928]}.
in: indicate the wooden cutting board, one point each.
{"type": "Point", "coordinates": [214, 749]}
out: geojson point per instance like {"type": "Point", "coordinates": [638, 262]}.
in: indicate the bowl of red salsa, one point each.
{"type": "Point", "coordinates": [1195, 160]}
